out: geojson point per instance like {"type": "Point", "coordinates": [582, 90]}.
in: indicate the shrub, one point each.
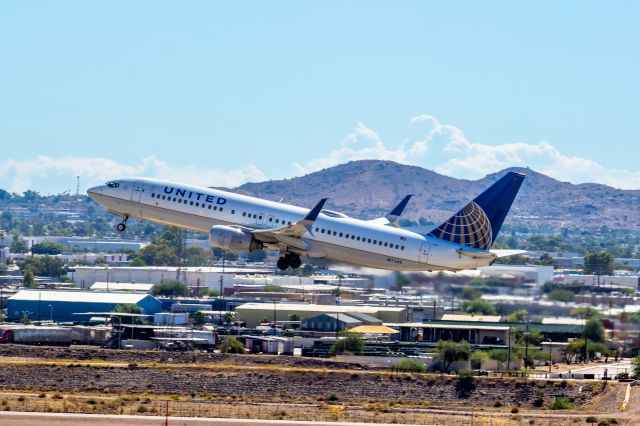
{"type": "Point", "coordinates": [561, 403]}
{"type": "Point", "coordinates": [515, 410]}
{"type": "Point", "coordinates": [410, 365]}
{"type": "Point", "coordinates": [231, 345]}
{"type": "Point", "coordinates": [350, 343]}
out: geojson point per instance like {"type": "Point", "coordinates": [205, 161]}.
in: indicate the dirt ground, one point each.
{"type": "Point", "coordinates": [285, 381]}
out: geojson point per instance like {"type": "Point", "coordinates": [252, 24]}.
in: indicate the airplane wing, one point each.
{"type": "Point", "coordinates": [290, 235]}
{"type": "Point", "coordinates": [394, 215]}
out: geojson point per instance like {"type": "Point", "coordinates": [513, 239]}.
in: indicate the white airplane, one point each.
{"type": "Point", "coordinates": [241, 223]}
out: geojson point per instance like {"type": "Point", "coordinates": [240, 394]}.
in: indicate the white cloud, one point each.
{"type": "Point", "coordinates": [445, 149]}
{"type": "Point", "coordinates": [18, 176]}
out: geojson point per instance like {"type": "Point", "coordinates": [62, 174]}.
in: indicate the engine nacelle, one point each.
{"type": "Point", "coordinates": [229, 238]}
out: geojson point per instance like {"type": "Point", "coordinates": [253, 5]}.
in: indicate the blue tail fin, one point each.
{"type": "Point", "coordinates": [478, 223]}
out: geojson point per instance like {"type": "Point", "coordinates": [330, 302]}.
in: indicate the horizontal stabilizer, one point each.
{"type": "Point", "coordinates": [506, 253]}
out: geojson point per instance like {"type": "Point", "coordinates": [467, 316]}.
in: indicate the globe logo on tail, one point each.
{"type": "Point", "coordinates": [470, 227]}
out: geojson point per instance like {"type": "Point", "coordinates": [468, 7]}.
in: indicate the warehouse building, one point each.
{"type": "Point", "coordinates": [254, 313]}
{"type": "Point", "coordinates": [63, 306]}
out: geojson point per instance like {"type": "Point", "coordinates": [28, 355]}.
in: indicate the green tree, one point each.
{"type": "Point", "coordinates": [635, 365]}
{"type": "Point", "coordinates": [170, 288]}
{"type": "Point", "coordinates": [273, 288]}
{"type": "Point", "coordinates": [351, 343]}
{"type": "Point", "coordinates": [598, 263]}
{"type": "Point", "coordinates": [130, 308]}
{"type": "Point", "coordinates": [517, 316]}
{"type": "Point", "coordinates": [479, 306]}
{"type": "Point", "coordinates": [199, 318]}
{"type": "Point", "coordinates": [452, 351]}
{"type": "Point", "coordinates": [294, 316]}
{"type": "Point", "coordinates": [137, 262]}
{"type": "Point", "coordinates": [47, 247]}
{"type": "Point", "coordinates": [231, 345]}
{"type": "Point", "coordinates": [471, 293]}
{"type": "Point", "coordinates": [560, 295]}
{"type": "Point", "coordinates": [197, 256]}
{"type": "Point", "coordinates": [500, 355]}
{"type": "Point", "coordinates": [584, 312]}
{"type": "Point", "coordinates": [546, 260]}
{"type": "Point", "coordinates": [401, 282]}
{"type": "Point", "coordinates": [410, 366]}
{"type": "Point", "coordinates": [18, 245]}
{"type": "Point", "coordinates": [594, 330]}
{"type": "Point", "coordinates": [28, 279]}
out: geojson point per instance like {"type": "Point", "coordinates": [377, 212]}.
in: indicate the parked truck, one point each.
{"type": "Point", "coordinates": [32, 335]}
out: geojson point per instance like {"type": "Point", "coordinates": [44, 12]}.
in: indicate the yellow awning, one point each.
{"type": "Point", "coordinates": [373, 329]}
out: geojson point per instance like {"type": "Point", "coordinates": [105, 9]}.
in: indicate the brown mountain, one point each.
{"type": "Point", "coordinates": [370, 188]}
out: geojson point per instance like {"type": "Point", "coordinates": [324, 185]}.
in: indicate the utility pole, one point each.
{"type": "Point", "coordinates": [526, 346]}
{"type": "Point", "coordinates": [509, 349]}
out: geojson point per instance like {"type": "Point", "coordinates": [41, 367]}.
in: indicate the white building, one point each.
{"type": "Point", "coordinates": [535, 274]}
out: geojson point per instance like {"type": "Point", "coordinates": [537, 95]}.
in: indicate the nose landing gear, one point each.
{"type": "Point", "coordinates": [122, 225]}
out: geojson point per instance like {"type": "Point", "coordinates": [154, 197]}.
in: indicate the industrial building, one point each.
{"type": "Point", "coordinates": [212, 278]}
{"type": "Point", "coordinates": [253, 313]}
{"type": "Point", "coordinates": [63, 306]}
{"type": "Point", "coordinates": [135, 287]}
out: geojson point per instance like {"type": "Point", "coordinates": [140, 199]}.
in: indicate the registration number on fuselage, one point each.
{"type": "Point", "coordinates": [394, 261]}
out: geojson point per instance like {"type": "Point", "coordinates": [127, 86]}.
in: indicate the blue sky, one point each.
{"type": "Point", "coordinates": [223, 93]}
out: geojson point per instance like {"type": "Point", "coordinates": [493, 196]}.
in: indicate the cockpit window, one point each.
{"type": "Point", "coordinates": [112, 184]}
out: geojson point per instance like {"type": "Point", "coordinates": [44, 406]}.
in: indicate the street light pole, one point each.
{"type": "Point", "coordinates": [550, 360]}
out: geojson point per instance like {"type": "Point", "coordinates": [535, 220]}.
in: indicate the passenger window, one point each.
{"type": "Point", "coordinates": [289, 223]}
{"type": "Point", "coordinates": [375, 242]}
{"type": "Point", "coordinates": [270, 219]}
{"type": "Point", "coordinates": [322, 230]}
{"type": "Point", "coordinates": [346, 236]}
{"type": "Point", "coordinates": [244, 214]}
{"type": "Point", "coordinates": [277, 220]}
{"type": "Point", "coordinates": [163, 197]}
{"type": "Point", "coordinates": [255, 216]}
{"type": "Point", "coordinates": [215, 207]}
{"type": "Point", "coordinates": [379, 243]}
{"type": "Point", "coordinates": [317, 229]}
{"type": "Point", "coordinates": [260, 217]}
{"type": "Point", "coordinates": [340, 234]}
{"type": "Point", "coordinates": [232, 211]}
{"type": "Point", "coordinates": [369, 240]}
{"type": "Point", "coordinates": [334, 232]}
{"type": "Point", "coordinates": [153, 195]}
{"type": "Point", "coordinates": [358, 239]}
{"type": "Point", "coordinates": [401, 247]}
{"type": "Point", "coordinates": [220, 208]}
{"type": "Point", "coordinates": [190, 203]}
{"type": "Point", "coordinates": [209, 206]}
{"type": "Point", "coordinates": [385, 244]}
{"type": "Point", "coordinates": [397, 247]}
{"type": "Point", "coordinates": [197, 204]}
{"type": "Point", "coordinates": [353, 237]}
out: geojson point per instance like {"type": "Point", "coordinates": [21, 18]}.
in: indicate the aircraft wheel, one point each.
{"type": "Point", "coordinates": [283, 263]}
{"type": "Point", "coordinates": [121, 227]}
{"type": "Point", "coordinates": [294, 261]}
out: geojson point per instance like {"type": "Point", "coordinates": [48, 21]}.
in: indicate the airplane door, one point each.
{"type": "Point", "coordinates": [424, 252]}
{"type": "Point", "coordinates": [137, 191]}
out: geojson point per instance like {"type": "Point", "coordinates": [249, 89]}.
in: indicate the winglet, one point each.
{"type": "Point", "coordinates": [394, 215]}
{"type": "Point", "coordinates": [311, 217]}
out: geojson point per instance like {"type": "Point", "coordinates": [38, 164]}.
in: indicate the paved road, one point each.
{"type": "Point", "coordinates": [598, 370]}
{"type": "Point", "coordinates": [59, 419]}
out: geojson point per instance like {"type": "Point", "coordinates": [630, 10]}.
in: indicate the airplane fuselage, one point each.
{"type": "Point", "coordinates": [332, 236]}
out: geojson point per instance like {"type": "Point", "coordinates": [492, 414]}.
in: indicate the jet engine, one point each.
{"type": "Point", "coordinates": [229, 238]}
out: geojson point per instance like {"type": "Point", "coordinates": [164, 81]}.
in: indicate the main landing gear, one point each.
{"type": "Point", "coordinates": [289, 260]}
{"type": "Point", "coordinates": [122, 225]}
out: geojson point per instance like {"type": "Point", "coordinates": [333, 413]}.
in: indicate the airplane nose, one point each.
{"type": "Point", "coordinates": [93, 192]}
